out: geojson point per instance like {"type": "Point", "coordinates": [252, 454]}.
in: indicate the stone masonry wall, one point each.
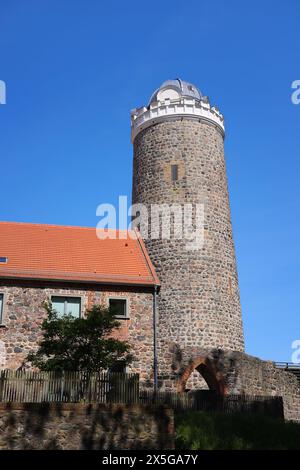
{"type": "Point", "coordinates": [198, 303]}
{"type": "Point", "coordinates": [77, 426]}
{"type": "Point", "coordinates": [23, 315]}
{"type": "Point", "coordinates": [250, 375]}
{"type": "Point", "coordinates": [233, 372]}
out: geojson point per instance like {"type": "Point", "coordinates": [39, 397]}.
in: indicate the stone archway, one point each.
{"type": "Point", "coordinates": [208, 370]}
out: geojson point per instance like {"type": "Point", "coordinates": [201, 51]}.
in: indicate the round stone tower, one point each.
{"type": "Point", "coordinates": [179, 172]}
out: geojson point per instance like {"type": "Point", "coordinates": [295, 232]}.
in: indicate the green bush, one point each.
{"type": "Point", "coordinates": [197, 430]}
{"type": "Point", "coordinates": [85, 343]}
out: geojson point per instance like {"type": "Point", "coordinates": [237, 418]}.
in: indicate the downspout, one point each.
{"type": "Point", "coordinates": [155, 384]}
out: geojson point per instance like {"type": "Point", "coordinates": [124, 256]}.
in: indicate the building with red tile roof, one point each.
{"type": "Point", "coordinates": [74, 268]}
{"type": "Point", "coordinates": [62, 253]}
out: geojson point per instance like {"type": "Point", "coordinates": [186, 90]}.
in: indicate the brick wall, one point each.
{"type": "Point", "coordinates": [23, 315]}
{"type": "Point", "coordinates": [77, 426]}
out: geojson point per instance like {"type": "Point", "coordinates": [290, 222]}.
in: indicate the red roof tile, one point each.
{"type": "Point", "coordinates": [36, 251]}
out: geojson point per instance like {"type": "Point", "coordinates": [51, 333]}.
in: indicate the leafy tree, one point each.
{"type": "Point", "coordinates": [73, 344]}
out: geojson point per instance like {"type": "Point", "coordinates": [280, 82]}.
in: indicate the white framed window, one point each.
{"type": "Point", "coordinates": [119, 307]}
{"type": "Point", "coordinates": [66, 305]}
{"type": "Point", "coordinates": [1, 309]}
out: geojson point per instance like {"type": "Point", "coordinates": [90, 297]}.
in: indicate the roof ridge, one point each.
{"type": "Point", "coordinates": [37, 224]}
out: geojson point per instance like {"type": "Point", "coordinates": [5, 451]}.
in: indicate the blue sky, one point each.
{"type": "Point", "coordinates": [73, 71]}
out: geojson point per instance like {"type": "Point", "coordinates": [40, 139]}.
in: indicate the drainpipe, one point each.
{"type": "Point", "coordinates": [155, 339]}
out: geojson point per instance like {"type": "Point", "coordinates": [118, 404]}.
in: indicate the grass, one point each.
{"type": "Point", "coordinates": [196, 430]}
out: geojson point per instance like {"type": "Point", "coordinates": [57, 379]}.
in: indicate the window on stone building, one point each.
{"type": "Point", "coordinates": [66, 306]}
{"type": "Point", "coordinates": [1, 308]}
{"type": "Point", "coordinates": [174, 172]}
{"type": "Point", "coordinates": [118, 307]}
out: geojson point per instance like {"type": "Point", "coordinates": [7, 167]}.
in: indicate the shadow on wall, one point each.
{"type": "Point", "coordinates": [85, 426]}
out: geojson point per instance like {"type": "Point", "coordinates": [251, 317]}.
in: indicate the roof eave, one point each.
{"type": "Point", "coordinates": [142, 283]}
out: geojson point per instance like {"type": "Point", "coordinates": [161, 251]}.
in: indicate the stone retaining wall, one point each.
{"type": "Point", "coordinates": [77, 426]}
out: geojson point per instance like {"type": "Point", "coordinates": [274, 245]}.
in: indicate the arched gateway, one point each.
{"type": "Point", "coordinates": [208, 370]}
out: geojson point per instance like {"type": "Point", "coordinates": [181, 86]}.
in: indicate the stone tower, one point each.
{"type": "Point", "coordinates": [178, 144]}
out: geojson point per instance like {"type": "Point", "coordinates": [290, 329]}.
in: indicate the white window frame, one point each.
{"type": "Point", "coordinates": [71, 296]}
{"type": "Point", "coordinates": [3, 311]}
{"type": "Point", "coordinates": [121, 317]}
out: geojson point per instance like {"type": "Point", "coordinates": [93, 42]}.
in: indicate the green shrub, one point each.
{"type": "Point", "coordinates": [197, 430]}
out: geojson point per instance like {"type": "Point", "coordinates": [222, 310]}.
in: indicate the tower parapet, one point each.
{"type": "Point", "coordinates": [175, 100]}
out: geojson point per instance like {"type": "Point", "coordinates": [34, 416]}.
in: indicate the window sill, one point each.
{"type": "Point", "coordinates": [121, 317]}
{"type": "Point", "coordinates": [2, 325]}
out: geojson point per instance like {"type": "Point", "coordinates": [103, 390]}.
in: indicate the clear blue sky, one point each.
{"type": "Point", "coordinates": [75, 68]}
